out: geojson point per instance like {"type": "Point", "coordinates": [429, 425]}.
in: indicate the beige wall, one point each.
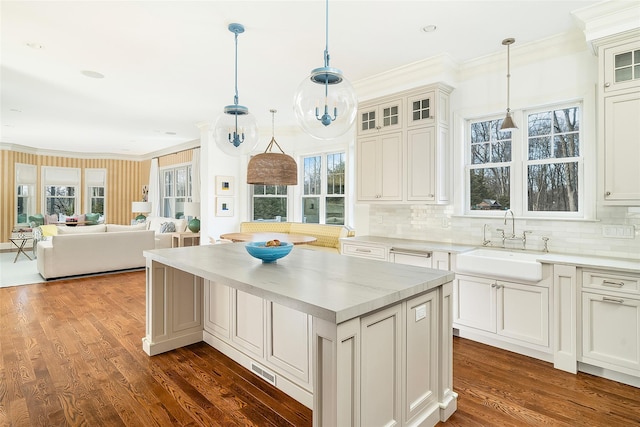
{"type": "Point", "coordinates": [125, 179]}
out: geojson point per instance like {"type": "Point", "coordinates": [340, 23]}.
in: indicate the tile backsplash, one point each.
{"type": "Point", "coordinates": [438, 223]}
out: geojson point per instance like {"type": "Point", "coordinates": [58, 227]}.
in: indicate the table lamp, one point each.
{"type": "Point", "coordinates": [192, 209]}
{"type": "Point", "coordinates": [141, 208]}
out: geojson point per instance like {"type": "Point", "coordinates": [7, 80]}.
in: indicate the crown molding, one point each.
{"type": "Point", "coordinates": [608, 18]}
{"type": "Point", "coordinates": [111, 156]}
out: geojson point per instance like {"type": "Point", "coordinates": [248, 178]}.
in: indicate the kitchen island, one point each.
{"type": "Point", "coordinates": [359, 341]}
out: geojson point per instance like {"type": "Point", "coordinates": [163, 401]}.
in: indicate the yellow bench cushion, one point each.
{"type": "Point", "coordinates": [264, 227]}
{"type": "Point", "coordinates": [327, 235]}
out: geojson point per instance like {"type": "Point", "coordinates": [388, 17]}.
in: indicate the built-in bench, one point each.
{"type": "Point", "coordinates": [328, 236]}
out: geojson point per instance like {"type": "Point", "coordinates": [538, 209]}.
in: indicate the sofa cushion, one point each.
{"type": "Point", "coordinates": [118, 227]}
{"type": "Point", "coordinates": [155, 222]}
{"type": "Point", "coordinates": [63, 229]}
{"type": "Point", "coordinates": [51, 219]}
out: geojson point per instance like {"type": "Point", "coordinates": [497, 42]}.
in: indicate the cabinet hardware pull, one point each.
{"type": "Point", "coordinates": [608, 193]}
{"type": "Point", "coordinates": [612, 283]}
{"type": "Point", "coordinates": [615, 300]}
{"type": "Point", "coordinates": [363, 250]}
{"type": "Point", "coordinates": [607, 84]}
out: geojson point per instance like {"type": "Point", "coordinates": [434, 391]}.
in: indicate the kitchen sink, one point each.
{"type": "Point", "coordinates": [501, 264]}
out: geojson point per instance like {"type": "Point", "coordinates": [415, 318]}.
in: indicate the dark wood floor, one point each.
{"type": "Point", "coordinates": [71, 354]}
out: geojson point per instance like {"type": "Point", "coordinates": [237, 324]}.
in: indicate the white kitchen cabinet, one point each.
{"type": "Point", "coordinates": [611, 320]}
{"type": "Point", "coordinates": [364, 250]}
{"type": "Point", "coordinates": [380, 168]}
{"type": "Point", "coordinates": [408, 161]}
{"type": "Point", "coordinates": [248, 322]}
{"type": "Point", "coordinates": [218, 309]}
{"type": "Point", "coordinates": [427, 164]}
{"type": "Point", "coordinates": [375, 118]}
{"type": "Point", "coordinates": [514, 311]}
{"type": "Point", "coordinates": [618, 118]}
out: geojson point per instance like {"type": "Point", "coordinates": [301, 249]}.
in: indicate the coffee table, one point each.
{"type": "Point", "coordinates": [19, 243]}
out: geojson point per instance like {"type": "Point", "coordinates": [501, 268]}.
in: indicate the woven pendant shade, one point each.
{"type": "Point", "coordinates": [271, 168]}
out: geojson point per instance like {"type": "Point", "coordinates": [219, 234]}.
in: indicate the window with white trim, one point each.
{"type": "Point", "coordinates": [176, 190]}
{"type": "Point", "coordinates": [61, 195]}
{"type": "Point", "coordinates": [95, 182]}
{"type": "Point", "coordinates": [323, 194]}
{"type": "Point", "coordinates": [25, 192]}
{"type": "Point", "coordinates": [269, 203]}
{"type": "Point", "coordinates": [535, 171]}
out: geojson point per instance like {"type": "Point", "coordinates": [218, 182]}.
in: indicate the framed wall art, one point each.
{"type": "Point", "coordinates": [225, 186]}
{"type": "Point", "coordinates": [224, 206]}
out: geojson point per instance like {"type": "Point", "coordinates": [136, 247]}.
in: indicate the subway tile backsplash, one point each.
{"type": "Point", "coordinates": [437, 223]}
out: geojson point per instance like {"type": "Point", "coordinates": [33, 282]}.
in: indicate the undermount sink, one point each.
{"type": "Point", "coordinates": [500, 264]}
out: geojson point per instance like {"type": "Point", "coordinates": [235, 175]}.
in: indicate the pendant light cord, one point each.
{"type": "Point", "coordinates": [235, 98]}
{"type": "Point", "coordinates": [326, 32]}
{"type": "Point", "coordinates": [273, 133]}
{"type": "Point", "coordinates": [508, 77]}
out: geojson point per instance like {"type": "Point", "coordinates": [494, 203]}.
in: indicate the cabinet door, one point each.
{"type": "Point", "coordinates": [384, 117]}
{"type": "Point", "coordinates": [380, 167]}
{"type": "Point", "coordinates": [621, 66]}
{"type": "Point", "coordinates": [474, 303]}
{"type": "Point", "coordinates": [622, 150]}
{"type": "Point", "coordinates": [289, 345]}
{"type": "Point", "coordinates": [523, 312]}
{"type": "Point", "coordinates": [421, 372]}
{"type": "Point", "coordinates": [248, 322]}
{"type": "Point", "coordinates": [421, 109]}
{"type": "Point", "coordinates": [217, 300]}
{"type": "Point", "coordinates": [421, 164]}
{"type": "Point", "coordinates": [380, 369]}
{"type": "Point", "coordinates": [611, 331]}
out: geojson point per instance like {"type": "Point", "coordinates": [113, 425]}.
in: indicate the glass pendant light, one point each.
{"type": "Point", "coordinates": [270, 168]}
{"type": "Point", "coordinates": [325, 103]}
{"type": "Point", "coordinates": [236, 131]}
{"type": "Point", "coordinates": [508, 123]}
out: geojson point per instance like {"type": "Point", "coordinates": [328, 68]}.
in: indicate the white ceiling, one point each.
{"type": "Point", "coordinates": [169, 65]}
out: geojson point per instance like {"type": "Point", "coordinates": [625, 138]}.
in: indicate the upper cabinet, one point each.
{"type": "Point", "coordinates": [383, 117]}
{"type": "Point", "coordinates": [619, 118]}
{"type": "Point", "coordinates": [405, 157]}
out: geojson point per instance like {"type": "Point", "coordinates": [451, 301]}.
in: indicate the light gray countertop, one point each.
{"type": "Point", "coordinates": [623, 265]}
{"type": "Point", "coordinates": [326, 285]}
{"type": "Point", "coordinates": [414, 245]}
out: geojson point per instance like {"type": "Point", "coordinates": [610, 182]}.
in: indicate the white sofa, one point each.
{"type": "Point", "coordinates": [93, 249]}
{"type": "Point", "coordinates": [163, 240]}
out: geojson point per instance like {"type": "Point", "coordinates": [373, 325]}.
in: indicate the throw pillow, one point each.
{"type": "Point", "coordinates": [92, 218]}
{"type": "Point", "coordinates": [167, 227]}
{"type": "Point", "coordinates": [49, 230]}
{"type": "Point", "coordinates": [50, 219]}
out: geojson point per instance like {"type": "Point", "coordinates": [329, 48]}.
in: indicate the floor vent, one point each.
{"type": "Point", "coordinates": [269, 377]}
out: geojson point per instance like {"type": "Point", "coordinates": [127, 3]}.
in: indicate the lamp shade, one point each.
{"type": "Point", "coordinates": [192, 209]}
{"type": "Point", "coordinates": [272, 169]}
{"type": "Point", "coordinates": [141, 207]}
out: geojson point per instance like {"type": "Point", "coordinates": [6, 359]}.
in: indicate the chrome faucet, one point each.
{"type": "Point", "coordinates": [485, 242]}
{"type": "Point", "coordinates": [513, 222]}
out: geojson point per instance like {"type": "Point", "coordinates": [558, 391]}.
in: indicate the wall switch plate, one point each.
{"type": "Point", "coordinates": [619, 231]}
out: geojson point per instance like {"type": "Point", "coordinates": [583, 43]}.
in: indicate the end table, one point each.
{"type": "Point", "coordinates": [184, 238]}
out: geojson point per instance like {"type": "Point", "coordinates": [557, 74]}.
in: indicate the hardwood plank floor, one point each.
{"type": "Point", "coordinates": [71, 354]}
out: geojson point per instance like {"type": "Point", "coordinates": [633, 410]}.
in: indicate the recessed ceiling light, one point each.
{"type": "Point", "coordinates": [92, 74]}
{"type": "Point", "coordinates": [429, 28]}
{"type": "Point", "coordinates": [170, 133]}
{"type": "Point", "coordinates": [15, 110]}
{"type": "Point", "coordinates": [35, 45]}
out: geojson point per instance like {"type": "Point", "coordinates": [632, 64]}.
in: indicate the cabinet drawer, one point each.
{"type": "Point", "coordinates": [375, 252]}
{"type": "Point", "coordinates": [611, 282]}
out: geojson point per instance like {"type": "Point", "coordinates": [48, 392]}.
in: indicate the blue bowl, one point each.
{"type": "Point", "coordinates": [268, 254]}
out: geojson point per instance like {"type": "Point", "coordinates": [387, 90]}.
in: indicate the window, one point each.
{"type": "Point", "coordinates": [324, 203]}
{"type": "Point", "coordinates": [61, 195]}
{"type": "Point", "coordinates": [60, 199]}
{"type": "Point", "coordinates": [538, 174]}
{"type": "Point", "coordinates": [176, 190]}
{"type": "Point", "coordinates": [269, 202]}
{"type": "Point", "coordinates": [25, 192]}
{"type": "Point", "coordinates": [95, 182]}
